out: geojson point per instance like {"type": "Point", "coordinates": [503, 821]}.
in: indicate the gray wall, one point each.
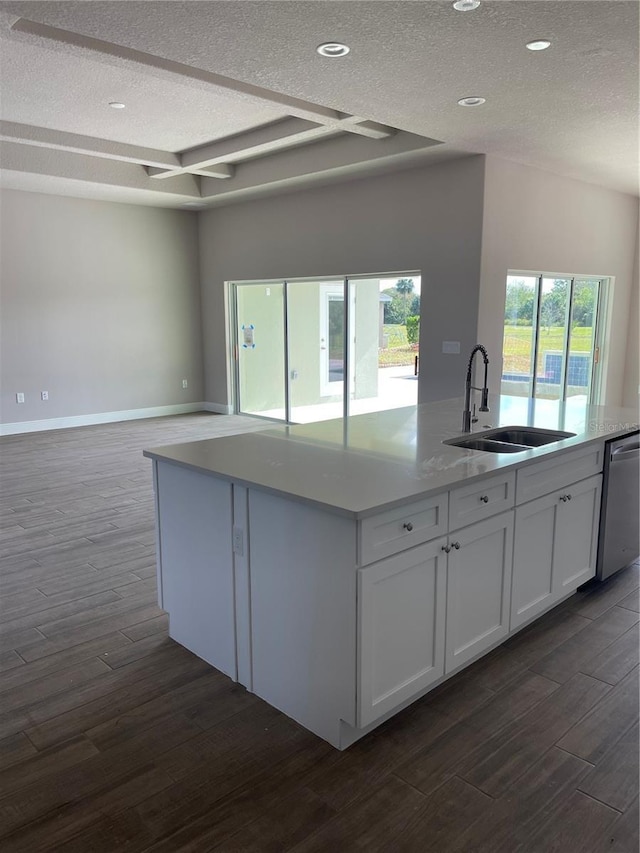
{"type": "Point", "coordinates": [428, 219]}
{"type": "Point", "coordinates": [631, 389]}
{"type": "Point", "coordinates": [537, 221]}
{"type": "Point", "coordinates": [100, 307]}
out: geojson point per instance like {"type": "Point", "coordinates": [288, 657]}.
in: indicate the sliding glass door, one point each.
{"type": "Point", "coordinates": [260, 361]}
{"type": "Point", "coordinates": [550, 336]}
{"type": "Point", "coordinates": [583, 352]}
{"type": "Point", "coordinates": [316, 353]}
{"type": "Point", "coordinates": [310, 350]}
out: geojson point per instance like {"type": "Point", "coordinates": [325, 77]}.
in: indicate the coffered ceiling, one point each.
{"type": "Point", "coordinates": [229, 100]}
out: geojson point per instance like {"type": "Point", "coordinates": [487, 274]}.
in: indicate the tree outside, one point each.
{"type": "Point", "coordinates": [402, 324]}
{"type": "Point", "coordinates": [519, 323]}
{"type": "Point", "coordinates": [404, 286]}
{"type": "Point", "coordinates": [520, 304]}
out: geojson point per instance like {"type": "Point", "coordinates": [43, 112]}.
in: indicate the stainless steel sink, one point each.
{"type": "Point", "coordinates": [486, 444]}
{"type": "Point", "coordinates": [509, 439]}
{"type": "Point", "coordinates": [529, 436]}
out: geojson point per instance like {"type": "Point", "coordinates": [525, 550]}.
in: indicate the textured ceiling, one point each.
{"type": "Point", "coordinates": [237, 88]}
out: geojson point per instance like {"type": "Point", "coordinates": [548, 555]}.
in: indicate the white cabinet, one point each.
{"type": "Point", "coordinates": [340, 621]}
{"type": "Point", "coordinates": [555, 547]}
{"type": "Point", "coordinates": [478, 588]}
{"type": "Point", "coordinates": [401, 610]}
{"type": "Point", "coordinates": [532, 584]}
{"type": "Point", "coordinates": [196, 563]}
{"type": "Point", "coordinates": [481, 499]}
{"type": "Point", "coordinates": [428, 610]}
{"type": "Point", "coordinates": [542, 478]}
{"type": "Point", "coordinates": [402, 527]}
{"type": "Point", "coordinates": [577, 535]}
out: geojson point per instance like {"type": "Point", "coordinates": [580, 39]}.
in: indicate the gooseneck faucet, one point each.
{"type": "Point", "coordinates": [468, 387]}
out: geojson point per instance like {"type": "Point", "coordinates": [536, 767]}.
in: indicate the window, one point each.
{"type": "Point", "coordinates": [307, 350]}
{"type": "Point", "coordinates": [550, 346]}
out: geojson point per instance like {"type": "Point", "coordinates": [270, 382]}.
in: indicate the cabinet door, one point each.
{"type": "Point", "coordinates": [478, 588]}
{"type": "Point", "coordinates": [576, 535]}
{"type": "Point", "coordinates": [533, 559]}
{"type": "Point", "coordinates": [194, 520]}
{"type": "Point", "coordinates": [401, 609]}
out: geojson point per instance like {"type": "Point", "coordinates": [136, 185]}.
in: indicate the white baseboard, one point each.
{"type": "Point", "coordinates": [218, 408]}
{"type": "Point", "coordinates": [108, 417]}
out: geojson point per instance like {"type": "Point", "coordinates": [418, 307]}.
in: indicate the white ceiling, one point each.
{"type": "Point", "coordinates": [226, 100]}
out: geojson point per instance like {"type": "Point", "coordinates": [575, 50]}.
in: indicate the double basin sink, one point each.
{"type": "Point", "coordinates": [510, 439]}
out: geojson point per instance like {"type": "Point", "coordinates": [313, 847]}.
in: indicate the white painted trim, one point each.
{"type": "Point", "coordinates": [104, 418]}
{"type": "Point", "coordinates": [218, 408]}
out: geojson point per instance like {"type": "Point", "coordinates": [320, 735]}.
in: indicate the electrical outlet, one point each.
{"type": "Point", "coordinates": [44, 395]}
{"type": "Point", "coordinates": [19, 397]}
{"type": "Point", "coordinates": [185, 383]}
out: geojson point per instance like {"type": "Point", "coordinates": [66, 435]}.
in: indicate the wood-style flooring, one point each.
{"type": "Point", "coordinates": [113, 738]}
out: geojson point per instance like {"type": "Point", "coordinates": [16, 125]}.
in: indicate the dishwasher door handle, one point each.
{"type": "Point", "coordinates": [624, 454]}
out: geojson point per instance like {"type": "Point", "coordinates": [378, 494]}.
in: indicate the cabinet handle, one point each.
{"type": "Point", "coordinates": [565, 498]}
{"type": "Point", "coordinates": [484, 499]}
{"type": "Point", "coordinates": [569, 496]}
{"type": "Point", "coordinates": [455, 545]}
{"type": "Point", "coordinates": [446, 548]}
{"type": "Point", "coordinates": [408, 526]}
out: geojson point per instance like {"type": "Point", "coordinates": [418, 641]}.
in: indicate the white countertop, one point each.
{"type": "Point", "coordinates": [378, 460]}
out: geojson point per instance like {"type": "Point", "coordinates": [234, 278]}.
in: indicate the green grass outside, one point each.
{"type": "Point", "coordinates": [398, 351]}
{"type": "Point", "coordinates": [518, 345]}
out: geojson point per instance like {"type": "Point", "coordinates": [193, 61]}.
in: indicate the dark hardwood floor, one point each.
{"type": "Point", "coordinates": [113, 738]}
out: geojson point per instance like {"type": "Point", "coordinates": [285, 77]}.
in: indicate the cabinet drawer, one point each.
{"type": "Point", "coordinates": [539, 479]}
{"type": "Point", "coordinates": [481, 499]}
{"type": "Point", "coordinates": [402, 527]}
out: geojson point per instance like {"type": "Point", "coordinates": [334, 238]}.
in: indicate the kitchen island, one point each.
{"type": "Point", "coordinates": [342, 570]}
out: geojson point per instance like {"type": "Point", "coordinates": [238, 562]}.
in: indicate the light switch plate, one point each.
{"type": "Point", "coordinates": [238, 541]}
{"type": "Point", "coordinates": [451, 347]}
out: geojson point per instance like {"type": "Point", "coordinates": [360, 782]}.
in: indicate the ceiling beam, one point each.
{"type": "Point", "coordinates": [221, 170]}
{"type": "Point", "coordinates": [294, 106]}
{"type": "Point", "coordinates": [258, 142]}
{"type": "Point", "coordinates": [340, 155]}
{"type": "Point", "coordinates": [362, 127]}
{"type": "Point", "coordinates": [43, 137]}
{"type": "Point", "coordinates": [33, 159]}
{"type": "Point", "coordinates": [116, 53]}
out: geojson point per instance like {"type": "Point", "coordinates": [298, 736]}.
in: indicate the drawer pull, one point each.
{"type": "Point", "coordinates": [446, 548]}
{"type": "Point", "coordinates": [484, 499]}
{"type": "Point", "coordinates": [455, 545]}
{"type": "Point", "coordinates": [408, 526]}
{"type": "Point", "coordinates": [565, 498]}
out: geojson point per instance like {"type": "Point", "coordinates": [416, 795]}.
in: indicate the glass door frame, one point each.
{"type": "Point", "coordinates": [234, 336]}
{"type": "Point", "coordinates": [348, 330]}
{"type": "Point", "coordinates": [599, 310]}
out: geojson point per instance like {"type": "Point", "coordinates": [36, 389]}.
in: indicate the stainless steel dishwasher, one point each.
{"type": "Point", "coordinates": [619, 536]}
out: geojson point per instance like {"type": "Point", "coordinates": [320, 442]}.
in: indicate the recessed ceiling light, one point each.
{"type": "Point", "coordinates": [466, 5]}
{"type": "Point", "coordinates": [333, 49]}
{"type": "Point", "coordinates": [538, 44]}
{"type": "Point", "coordinates": [116, 105]}
{"type": "Point", "coordinates": [472, 101]}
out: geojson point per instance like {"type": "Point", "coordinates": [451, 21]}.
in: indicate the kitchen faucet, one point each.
{"type": "Point", "coordinates": [468, 387]}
